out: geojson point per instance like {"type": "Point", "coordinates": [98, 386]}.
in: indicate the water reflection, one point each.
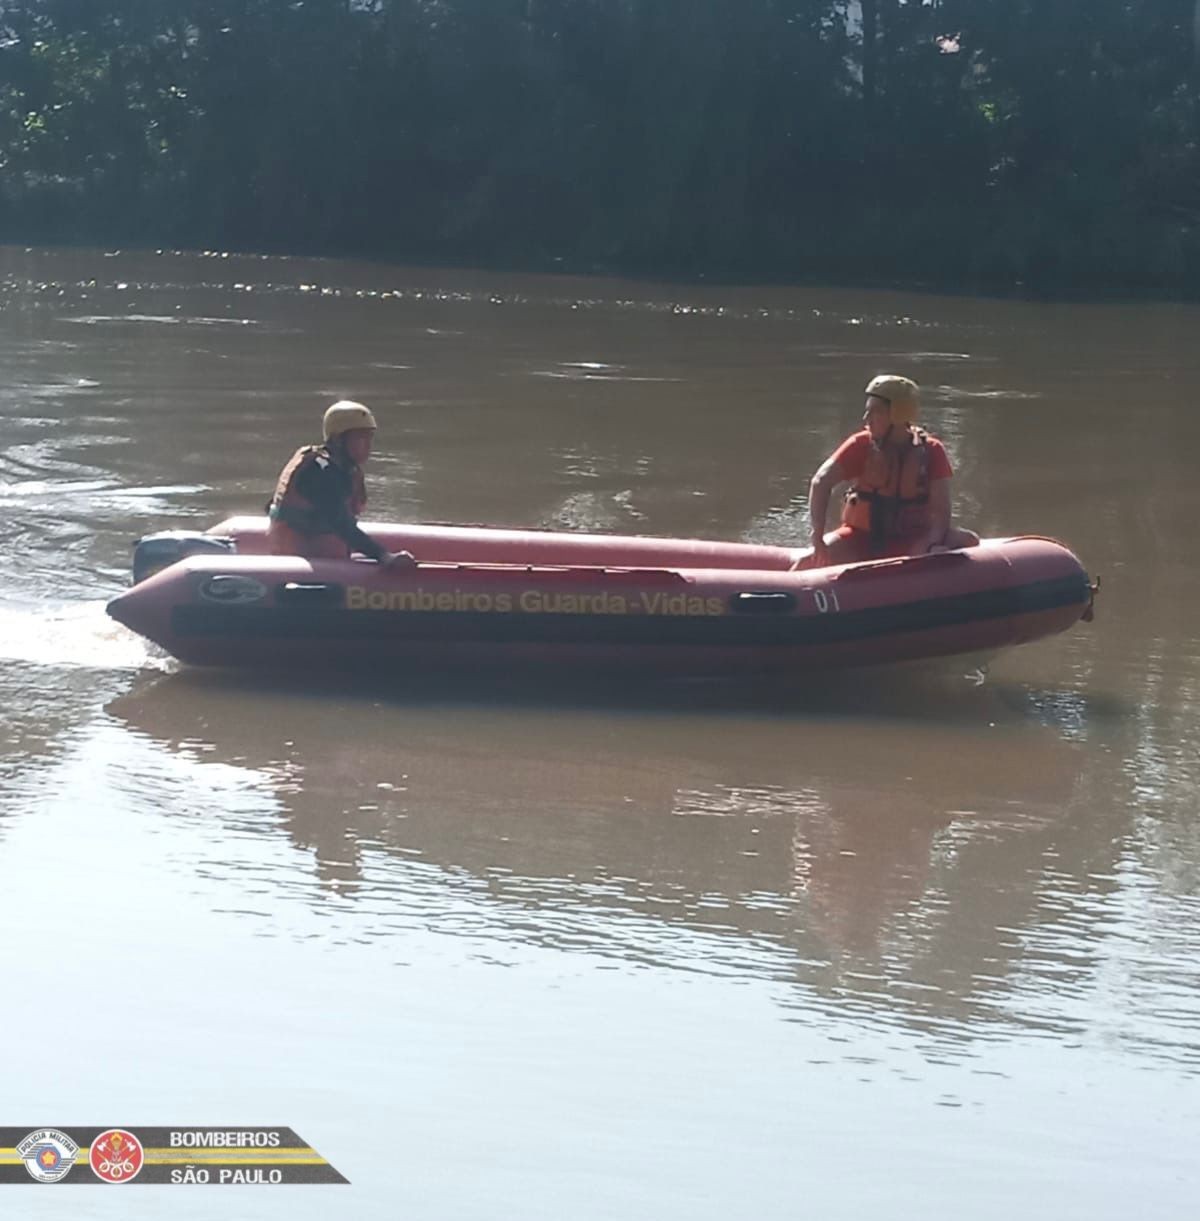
{"type": "Point", "coordinates": [900, 861]}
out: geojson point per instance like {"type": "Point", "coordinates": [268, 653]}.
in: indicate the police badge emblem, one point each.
{"type": "Point", "coordinates": [48, 1154]}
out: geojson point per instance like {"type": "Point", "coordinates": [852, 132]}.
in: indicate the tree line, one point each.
{"type": "Point", "coordinates": [1040, 146]}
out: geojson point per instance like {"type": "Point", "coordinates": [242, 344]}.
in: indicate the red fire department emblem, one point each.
{"type": "Point", "coordinates": [116, 1156]}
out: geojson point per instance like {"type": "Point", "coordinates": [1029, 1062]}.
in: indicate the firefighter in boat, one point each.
{"type": "Point", "coordinates": [898, 502]}
{"type": "Point", "coordinates": [321, 494]}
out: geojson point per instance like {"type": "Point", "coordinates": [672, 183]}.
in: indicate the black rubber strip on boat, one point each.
{"type": "Point", "coordinates": [328, 623]}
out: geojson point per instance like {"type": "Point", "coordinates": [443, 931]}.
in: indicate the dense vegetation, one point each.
{"type": "Point", "coordinates": [1049, 145]}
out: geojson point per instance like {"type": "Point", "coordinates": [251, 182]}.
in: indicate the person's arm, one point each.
{"type": "Point", "coordinates": [820, 492]}
{"type": "Point", "coordinates": [324, 488]}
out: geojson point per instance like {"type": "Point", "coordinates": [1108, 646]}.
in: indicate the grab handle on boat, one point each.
{"type": "Point", "coordinates": [763, 602]}
{"type": "Point", "coordinates": [870, 568]}
{"type": "Point", "coordinates": [306, 593]}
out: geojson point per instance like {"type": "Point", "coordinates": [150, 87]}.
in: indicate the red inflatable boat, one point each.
{"type": "Point", "coordinates": [512, 599]}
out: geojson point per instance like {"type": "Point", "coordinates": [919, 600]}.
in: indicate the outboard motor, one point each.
{"type": "Point", "coordinates": [158, 551]}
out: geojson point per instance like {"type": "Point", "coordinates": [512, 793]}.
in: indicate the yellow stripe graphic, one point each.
{"type": "Point", "coordinates": [301, 1156]}
{"type": "Point", "coordinates": [247, 1157]}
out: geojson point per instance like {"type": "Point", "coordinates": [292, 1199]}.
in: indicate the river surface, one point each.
{"type": "Point", "coordinates": [896, 945]}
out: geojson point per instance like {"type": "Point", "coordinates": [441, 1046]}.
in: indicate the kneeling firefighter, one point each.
{"type": "Point", "coordinates": [898, 502]}
{"type": "Point", "coordinates": [321, 493]}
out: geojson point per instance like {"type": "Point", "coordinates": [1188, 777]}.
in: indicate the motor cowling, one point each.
{"type": "Point", "coordinates": [158, 551]}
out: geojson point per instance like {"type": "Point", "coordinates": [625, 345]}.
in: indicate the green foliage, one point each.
{"type": "Point", "coordinates": [1048, 145]}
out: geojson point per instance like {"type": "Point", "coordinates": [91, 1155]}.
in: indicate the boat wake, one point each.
{"type": "Point", "coordinates": [77, 634]}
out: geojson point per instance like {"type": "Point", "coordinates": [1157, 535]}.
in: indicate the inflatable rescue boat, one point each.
{"type": "Point", "coordinates": [480, 597]}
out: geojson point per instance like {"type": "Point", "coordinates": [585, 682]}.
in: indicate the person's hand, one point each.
{"type": "Point", "coordinates": [820, 555]}
{"type": "Point", "coordinates": [397, 559]}
{"type": "Point", "coordinates": [927, 545]}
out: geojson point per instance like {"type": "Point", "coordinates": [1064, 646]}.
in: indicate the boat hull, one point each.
{"type": "Point", "coordinates": [481, 599]}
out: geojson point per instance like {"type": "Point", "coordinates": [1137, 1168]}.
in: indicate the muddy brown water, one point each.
{"type": "Point", "coordinates": [880, 944]}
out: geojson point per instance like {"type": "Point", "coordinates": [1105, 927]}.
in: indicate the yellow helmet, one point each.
{"type": "Point", "coordinates": [345, 416]}
{"type": "Point", "coordinates": [900, 393]}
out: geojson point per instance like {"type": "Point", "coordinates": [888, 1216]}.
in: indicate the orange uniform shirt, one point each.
{"type": "Point", "coordinates": [851, 457]}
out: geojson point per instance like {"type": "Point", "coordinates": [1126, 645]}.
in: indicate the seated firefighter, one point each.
{"type": "Point", "coordinates": [898, 502]}
{"type": "Point", "coordinates": [321, 493]}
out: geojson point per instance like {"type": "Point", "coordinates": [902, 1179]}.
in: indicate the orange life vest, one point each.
{"type": "Point", "coordinates": [891, 496]}
{"type": "Point", "coordinates": [296, 527]}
